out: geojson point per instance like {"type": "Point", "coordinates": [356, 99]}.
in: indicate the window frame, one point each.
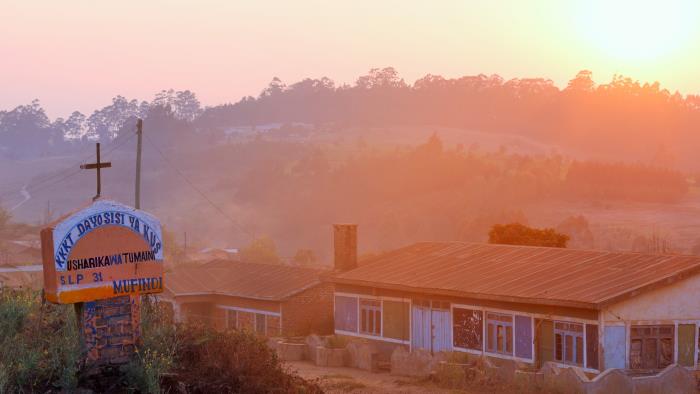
{"type": "Point", "coordinates": [229, 313]}
{"type": "Point", "coordinates": [658, 337]}
{"type": "Point", "coordinates": [497, 320]}
{"type": "Point", "coordinates": [481, 333]}
{"type": "Point", "coordinates": [258, 318]}
{"type": "Point", "coordinates": [563, 331]}
{"type": "Point", "coordinates": [370, 313]}
{"type": "Point", "coordinates": [254, 312]}
{"type": "Point", "coordinates": [357, 333]}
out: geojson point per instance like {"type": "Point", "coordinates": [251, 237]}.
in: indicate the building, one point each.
{"type": "Point", "coordinates": [592, 309]}
{"type": "Point", "coordinates": [21, 277]}
{"type": "Point", "coordinates": [20, 252]}
{"type": "Point", "coordinates": [271, 300]}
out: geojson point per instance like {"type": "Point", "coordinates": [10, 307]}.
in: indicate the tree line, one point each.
{"type": "Point", "coordinates": [622, 118]}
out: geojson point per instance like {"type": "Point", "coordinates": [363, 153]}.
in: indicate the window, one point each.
{"type": "Point", "coordinates": [523, 336]}
{"type": "Point", "coordinates": [499, 333]}
{"type": "Point", "coordinates": [397, 320]}
{"type": "Point", "coordinates": [371, 317]}
{"type": "Point", "coordinates": [273, 328]}
{"type": "Point", "coordinates": [231, 319]}
{"type": "Point", "coordinates": [651, 347]}
{"type": "Point", "coordinates": [260, 323]}
{"type": "Point", "coordinates": [568, 342]}
{"type": "Point", "coordinates": [592, 346]}
{"type": "Point", "coordinates": [345, 313]}
{"type": "Point", "coordinates": [468, 328]}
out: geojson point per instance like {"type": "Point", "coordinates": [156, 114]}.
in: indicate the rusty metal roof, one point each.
{"type": "Point", "coordinates": [247, 280]}
{"type": "Point", "coordinates": [553, 276]}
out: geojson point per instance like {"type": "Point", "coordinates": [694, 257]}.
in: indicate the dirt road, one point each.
{"type": "Point", "coordinates": [351, 380]}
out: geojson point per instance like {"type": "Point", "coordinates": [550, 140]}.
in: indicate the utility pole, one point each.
{"type": "Point", "coordinates": [139, 133]}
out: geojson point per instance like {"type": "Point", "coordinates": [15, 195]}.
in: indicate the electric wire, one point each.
{"type": "Point", "coordinates": [68, 172]}
{"type": "Point", "coordinates": [199, 191]}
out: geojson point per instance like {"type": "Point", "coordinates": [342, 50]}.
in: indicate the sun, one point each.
{"type": "Point", "coordinates": [640, 30]}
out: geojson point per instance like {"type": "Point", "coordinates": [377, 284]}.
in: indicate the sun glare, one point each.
{"type": "Point", "coordinates": [640, 30]}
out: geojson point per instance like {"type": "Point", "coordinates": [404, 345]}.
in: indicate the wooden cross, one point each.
{"type": "Point", "coordinates": [97, 166]}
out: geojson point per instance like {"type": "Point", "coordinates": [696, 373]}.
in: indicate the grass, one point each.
{"type": "Point", "coordinates": [336, 376]}
{"type": "Point", "coordinates": [344, 385]}
{"type": "Point", "coordinates": [39, 342]}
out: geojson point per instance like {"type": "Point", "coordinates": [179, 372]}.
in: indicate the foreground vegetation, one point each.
{"type": "Point", "coordinates": [42, 353]}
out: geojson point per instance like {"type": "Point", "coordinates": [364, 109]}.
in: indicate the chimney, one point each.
{"type": "Point", "coordinates": [345, 246]}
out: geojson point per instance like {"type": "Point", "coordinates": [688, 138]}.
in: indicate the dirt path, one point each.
{"type": "Point", "coordinates": [352, 380]}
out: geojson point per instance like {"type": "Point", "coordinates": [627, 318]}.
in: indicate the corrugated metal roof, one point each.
{"type": "Point", "coordinates": [248, 280]}
{"type": "Point", "coordinates": [554, 276]}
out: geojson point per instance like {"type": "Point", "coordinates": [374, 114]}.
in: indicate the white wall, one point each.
{"type": "Point", "coordinates": [675, 302]}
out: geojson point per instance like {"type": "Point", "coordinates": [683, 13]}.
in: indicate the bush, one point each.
{"type": "Point", "coordinates": [40, 344]}
{"type": "Point", "coordinates": [337, 342]}
{"type": "Point", "coordinates": [156, 354]}
{"type": "Point", "coordinates": [450, 376]}
{"type": "Point", "coordinates": [204, 360]}
{"type": "Point", "coordinates": [41, 352]}
{"type": "Point", "coordinates": [232, 362]}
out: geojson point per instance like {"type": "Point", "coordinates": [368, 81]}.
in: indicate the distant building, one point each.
{"type": "Point", "coordinates": [271, 300]}
{"type": "Point", "coordinates": [22, 277]}
{"type": "Point", "coordinates": [208, 254]}
{"type": "Point", "coordinates": [591, 309]}
{"type": "Point", "coordinates": [20, 252]}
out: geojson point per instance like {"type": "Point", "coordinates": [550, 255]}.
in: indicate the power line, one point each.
{"type": "Point", "coordinates": [195, 188]}
{"type": "Point", "coordinates": [68, 172]}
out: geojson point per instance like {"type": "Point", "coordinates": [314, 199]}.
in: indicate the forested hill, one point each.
{"type": "Point", "coordinates": [623, 119]}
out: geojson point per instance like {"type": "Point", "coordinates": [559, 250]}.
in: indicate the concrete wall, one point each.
{"type": "Point", "coordinates": [678, 301]}
{"type": "Point", "coordinates": [674, 304]}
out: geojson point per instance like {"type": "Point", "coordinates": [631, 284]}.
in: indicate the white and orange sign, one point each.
{"type": "Point", "coordinates": [105, 250]}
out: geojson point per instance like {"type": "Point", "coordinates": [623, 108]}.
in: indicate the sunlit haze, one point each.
{"type": "Point", "coordinates": [77, 55]}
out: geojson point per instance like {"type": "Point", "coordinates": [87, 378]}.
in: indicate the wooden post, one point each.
{"type": "Point", "coordinates": [139, 132]}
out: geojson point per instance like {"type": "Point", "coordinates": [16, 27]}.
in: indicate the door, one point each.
{"type": "Point", "coordinates": [420, 327]}
{"type": "Point", "coordinates": [430, 326]}
{"type": "Point", "coordinates": [440, 324]}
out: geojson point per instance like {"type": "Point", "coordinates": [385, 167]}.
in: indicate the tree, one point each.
{"type": "Point", "coordinates": [518, 234]}
{"type": "Point", "coordinates": [261, 250]}
{"type": "Point", "coordinates": [386, 77]}
{"type": "Point", "coordinates": [305, 257]}
{"type": "Point", "coordinates": [5, 219]}
{"type": "Point", "coordinates": [175, 252]}
{"type": "Point", "coordinates": [583, 82]}
{"type": "Point", "coordinates": [655, 243]}
{"type": "Point", "coordinates": [579, 231]}
{"type": "Point", "coordinates": [184, 104]}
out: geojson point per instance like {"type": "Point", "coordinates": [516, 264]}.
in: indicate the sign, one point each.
{"type": "Point", "coordinates": [105, 250]}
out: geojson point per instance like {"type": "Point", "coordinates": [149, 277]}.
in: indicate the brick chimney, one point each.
{"type": "Point", "coordinates": [345, 246]}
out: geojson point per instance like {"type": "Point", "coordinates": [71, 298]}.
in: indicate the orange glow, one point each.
{"type": "Point", "coordinates": [633, 30]}
{"type": "Point", "coordinates": [78, 54]}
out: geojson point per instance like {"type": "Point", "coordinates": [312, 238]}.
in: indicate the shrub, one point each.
{"type": "Point", "coordinates": [40, 344]}
{"type": "Point", "coordinates": [232, 362]}
{"type": "Point", "coordinates": [337, 342]}
{"type": "Point", "coordinates": [204, 360]}
{"type": "Point", "coordinates": [450, 376]}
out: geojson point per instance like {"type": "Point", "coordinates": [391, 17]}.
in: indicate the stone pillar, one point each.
{"type": "Point", "coordinates": [110, 329]}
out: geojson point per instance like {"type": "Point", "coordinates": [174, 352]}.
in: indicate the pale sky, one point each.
{"type": "Point", "coordinates": [79, 54]}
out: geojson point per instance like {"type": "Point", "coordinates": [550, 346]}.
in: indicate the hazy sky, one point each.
{"type": "Point", "coordinates": [79, 54]}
